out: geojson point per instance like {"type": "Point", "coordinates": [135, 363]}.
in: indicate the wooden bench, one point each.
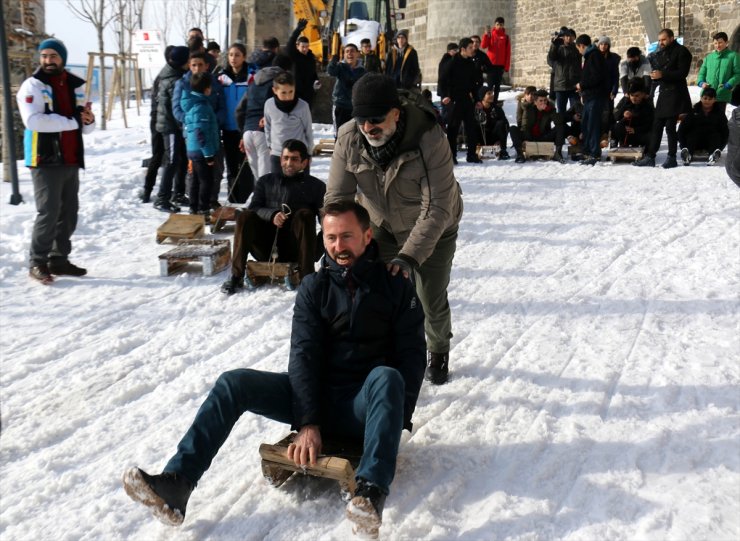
{"type": "Point", "coordinates": [625, 153]}
{"type": "Point", "coordinates": [539, 149]}
{"type": "Point", "coordinates": [262, 272]}
{"type": "Point", "coordinates": [324, 146]}
{"type": "Point", "coordinates": [338, 461]}
{"type": "Point", "coordinates": [213, 255]}
{"type": "Point", "coordinates": [181, 226]}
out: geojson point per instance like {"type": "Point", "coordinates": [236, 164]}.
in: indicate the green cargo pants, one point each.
{"type": "Point", "coordinates": [432, 279]}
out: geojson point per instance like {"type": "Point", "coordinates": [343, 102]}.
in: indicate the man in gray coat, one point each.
{"type": "Point", "coordinates": [396, 161]}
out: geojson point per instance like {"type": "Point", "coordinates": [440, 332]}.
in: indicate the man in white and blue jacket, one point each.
{"type": "Point", "coordinates": [53, 109]}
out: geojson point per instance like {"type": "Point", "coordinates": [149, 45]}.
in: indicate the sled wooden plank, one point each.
{"type": "Point", "coordinates": [262, 271]}
{"type": "Point", "coordinates": [223, 216]}
{"type": "Point", "coordinates": [324, 146]}
{"type": "Point", "coordinates": [534, 149]}
{"type": "Point", "coordinates": [181, 226]}
{"type": "Point", "coordinates": [213, 255]}
{"type": "Point", "coordinates": [625, 153]}
{"type": "Point", "coordinates": [488, 152]}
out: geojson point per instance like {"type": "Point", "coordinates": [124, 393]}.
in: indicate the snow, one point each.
{"type": "Point", "coordinates": [594, 367]}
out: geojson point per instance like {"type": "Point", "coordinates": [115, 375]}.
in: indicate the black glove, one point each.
{"type": "Point", "coordinates": [406, 264]}
{"type": "Point", "coordinates": [302, 23]}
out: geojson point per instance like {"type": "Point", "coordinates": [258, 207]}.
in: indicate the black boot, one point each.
{"type": "Point", "coordinates": [437, 368]}
{"type": "Point", "coordinates": [232, 285]}
{"type": "Point", "coordinates": [65, 268]}
{"type": "Point", "coordinates": [166, 494]}
{"type": "Point", "coordinates": [365, 510]}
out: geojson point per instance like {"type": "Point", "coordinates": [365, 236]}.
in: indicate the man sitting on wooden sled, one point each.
{"type": "Point", "coordinates": [357, 360]}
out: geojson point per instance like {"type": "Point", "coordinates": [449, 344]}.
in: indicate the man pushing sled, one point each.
{"type": "Point", "coordinates": [357, 361]}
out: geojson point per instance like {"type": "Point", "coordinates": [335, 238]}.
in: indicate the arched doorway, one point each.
{"type": "Point", "coordinates": [241, 35]}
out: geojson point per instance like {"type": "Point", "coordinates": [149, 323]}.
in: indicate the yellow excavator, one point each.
{"type": "Point", "coordinates": [334, 23]}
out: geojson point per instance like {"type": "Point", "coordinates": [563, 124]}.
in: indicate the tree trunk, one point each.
{"type": "Point", "coordinates": [101, 50]}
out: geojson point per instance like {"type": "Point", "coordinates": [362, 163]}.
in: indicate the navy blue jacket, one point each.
{"type": "Point", "coordinates": [337, 339]}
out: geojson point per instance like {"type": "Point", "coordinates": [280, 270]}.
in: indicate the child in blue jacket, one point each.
{"type": "Point", "coordinates": [202, 141]}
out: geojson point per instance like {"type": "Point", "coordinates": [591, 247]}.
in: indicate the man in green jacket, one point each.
{"type": "Point", "coordinates": [720, 70]}
{"type": "Point", "coordinates": [395, 159]}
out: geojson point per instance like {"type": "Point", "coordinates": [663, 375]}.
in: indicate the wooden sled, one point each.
{"type": "Point", "coordinates": [213, 255]}
{"type": "Point", "coordinates": [488, 152]}
{"type": "Point", "coordinates": [338, 461]}
{"type": "Point", "coordinates": [263, 272]}
{"type": "Point", "coordinates": [324, 146]}
{"type": "Point", "coordinates": [222, 217]}
{"type": "Point", "coordinates": [539, 149]}
{"type": "Point", "coordinates": [625, 154]}
{"type": "Point", "coordinates": [181, 226]}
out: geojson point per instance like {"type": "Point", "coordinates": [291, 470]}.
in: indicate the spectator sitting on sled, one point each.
{"type": "Point", "coordinates": [704, 128]}
{"type": "Point", "coordinates": [268, 221]}
{"type": "Point", "coordinates": [495, 126]}
{"type": "Point", "coordinates": [540, 122]}
{"type": "Point", "coordinates": [634, 117]}
{"type": "Point", "coordinates": [356, 367]}
{"type": "Point", "coordinates": [523, 100]}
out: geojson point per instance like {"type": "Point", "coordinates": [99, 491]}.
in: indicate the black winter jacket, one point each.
{"type": "Point", "coordinates": [674, 62]}
{"type": "Point", "coordinates": [461, 80]}
{"type": "Point", "coordinates": [642, 115]}
{"type": "Point", "coordinates": [714, 122]}
{"type": "Point", "coordinates": [166, 121]}
{"type": "Point", "coordinates": [338, 338]}
{"type": "Point", "coordinates": [595, 81]}
{"type": "Point", "coordinates": [566, 65]}
{"type": "Point", "coordinates": [299, 192]}
{"type": "Point", "coordinates": [304, 68]}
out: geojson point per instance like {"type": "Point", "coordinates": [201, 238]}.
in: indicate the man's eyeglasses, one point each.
{"type": "Point", "coordinates": [371, 119]}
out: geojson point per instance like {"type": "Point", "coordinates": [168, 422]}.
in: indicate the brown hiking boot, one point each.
{"type": "Point", "coordinates": [41, 274]}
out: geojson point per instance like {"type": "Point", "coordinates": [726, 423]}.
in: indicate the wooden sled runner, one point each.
{"type": "Point", "coordinates": [338, 461]}
{"type": "Point", "coordinates": [625, 153]}
{"type": "Point", "coordinates": [213, 256]}
{"type": "Point", "coordinates": [535, 149]}
{"type": "Point", "coordinates": [267, 272]}
{"type": "Point", "coordinates": [181, 226]}
{"type": "Point", "coordinates": [488, 152]}
{"type": "Point", "coordinates": [324, 146]}
{"type": "Point", "coordinates": [223, 216]}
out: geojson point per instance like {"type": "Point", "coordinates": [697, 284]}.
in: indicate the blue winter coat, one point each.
{"type": "Point", "coordinates": [201, 134]}
{"type": "Point", "coordinates": [181, 95]}
{"type": "Point", "coordinates": [338, 338]}
{"type": "Point", "coordinates": [233, 94]}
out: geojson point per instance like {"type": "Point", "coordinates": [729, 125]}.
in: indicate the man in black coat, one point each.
{"type": "Point", "coordinates": [566, 64]}
{"type": "Point", "coordinates": [704, 128]}
{"type": "Point", "coordinates": [633, 116]}
{"type": "Point", "coordinates": [402, 63]}
{"type": "Point", "coordinates": [283, 212]}
{"type": "Point", "coordinates": [461, 82]}
{"type": "Point", "coordinates": [304, 64]}
{"type": "Point", "coordinates": [594, 89]}
{"type": "Point", "coordinates": [357, 358]}
{"type": "Point", "coordinates": [671, 65]}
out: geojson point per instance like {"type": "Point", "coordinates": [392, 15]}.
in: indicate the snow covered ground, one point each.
{"type": "Point", "coordinates": [593, 394]}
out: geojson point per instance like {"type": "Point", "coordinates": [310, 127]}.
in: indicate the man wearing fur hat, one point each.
{"type": "Point", "coordinates": [52, 106]}
{"type": "Point", "coordinates": [402, 62]}
{"type": "Point", "coordinates": [394, 158]}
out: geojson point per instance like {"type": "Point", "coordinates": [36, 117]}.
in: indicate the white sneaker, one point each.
{"type": "Point", "coordinates": [714, 157]}
{"type": "Point", "coordinates": [685, 156]}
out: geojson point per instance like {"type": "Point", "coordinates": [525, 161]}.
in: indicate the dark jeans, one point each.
{"type": "Point", "coordinates": [373, 411]}
{"type": "Point", "coordinates": [234, 158]}
{"type": "Point", "coordinates": [697, 139]}
{"type": "Point", "coordinates": [462, 111]}
{"type": "Point", "coordinates": [496, 132]}
{"type": "Point", "coordinates": [296, 240]}
{"type": "Point", "coordinates": [176, 168]}
{"type": "Point", "coordinates": [154, 162]}
{"type": "Point", "coordinates": [55, 191]}
{"type": "Point", "coordinates": [341, 116]}
{"type": "Point", "coordinates": [201, 185]}
{"type": "Point", "coordinates": [591, 126]}
{"type": "Point", "coordinates": [670, 130]}
{"type": "Point", "coordinates": [494, 77]}
{"type": "Point", "coordinates": [623, 139]}
{"type": "Point", "coordinates": [565, 99]}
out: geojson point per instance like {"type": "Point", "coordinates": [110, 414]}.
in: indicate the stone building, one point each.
{"type": "Point", "coordinates": [24, 29]}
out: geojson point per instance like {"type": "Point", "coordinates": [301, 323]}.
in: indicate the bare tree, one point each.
{"type": "Point", "coordinates": [128, 17]}
{"type": "Point", "coordinates": [95, 12]}
{"type": "Point", "coordinates": [163, 18]}
{"type": "Point", "coordinates": [199, 13]}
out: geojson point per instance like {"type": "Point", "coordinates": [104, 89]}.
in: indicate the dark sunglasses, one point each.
{"type": "Point", "coordinates": [371, 119]}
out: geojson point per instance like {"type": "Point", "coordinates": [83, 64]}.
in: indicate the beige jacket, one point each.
{"type": "Point", "coordinates": [416, 199]}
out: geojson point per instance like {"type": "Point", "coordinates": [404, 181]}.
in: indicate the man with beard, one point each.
{"type": "Point", "coordinates": [394, 159]}
{"type": "Point", "coordinates": [671, 65]}
{"type": "Point", "coordinates": [286, 204]}
{"type": "Point", "coordinates": [53, 109]}
{"type": "Point", "coordinates": [461, 83]}
{"type": "Point", "coordinates": [355, 370]}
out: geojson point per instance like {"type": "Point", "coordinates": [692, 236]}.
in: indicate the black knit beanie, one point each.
{"type": "Point", "coordinates": [374, 95]}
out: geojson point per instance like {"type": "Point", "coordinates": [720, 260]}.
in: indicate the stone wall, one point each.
{"type": "Point", "coordinates": [261, 19]}
{"type": "Point", "coordinates": [28, 16]}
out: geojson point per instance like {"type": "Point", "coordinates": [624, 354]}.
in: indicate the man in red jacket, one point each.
{"type": "Point", "coordinates": [498, 48]}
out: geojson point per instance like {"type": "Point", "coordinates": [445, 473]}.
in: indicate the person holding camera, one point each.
{"type": "Point", "coordinates": [566, 64]}
{"type": "Point", "coordinates": [671, 65]}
